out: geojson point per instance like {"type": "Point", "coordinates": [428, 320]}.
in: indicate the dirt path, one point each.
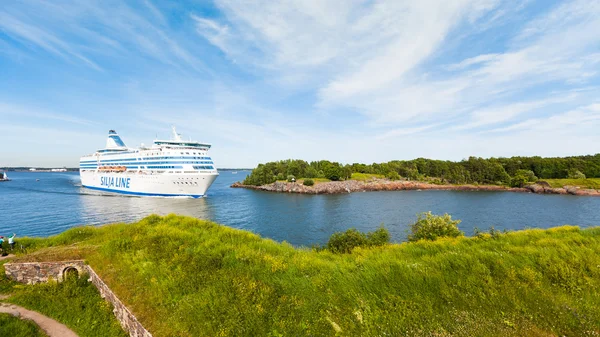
{"type": "Point", "coordinates": [6, 257]}
{"type": "Point", "coordinates": [51, 327]}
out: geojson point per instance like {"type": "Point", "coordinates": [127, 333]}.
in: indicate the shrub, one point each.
{"type": "Point", "coordinates": [522, 177]}
{"type": "Point", "coordinates": [291, 178]}
{"type": "Point", "coordinates": [308, 182]}
{"type": "Point", "coordinates": [431, 227]}
{"type": "Point", "coordinates": [575, 174]}
{"type": "Point", "coordinates": [393, 175]}
{"type": "Point", "coordinates": [378, 237]}
{"type": "Point", "coordinates": [344, 242]}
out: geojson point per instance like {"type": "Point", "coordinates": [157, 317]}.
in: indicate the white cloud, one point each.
{"type": "Point", "coordinates": [370, 57]}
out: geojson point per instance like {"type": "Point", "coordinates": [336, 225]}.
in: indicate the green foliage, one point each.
{"type": "Point", "coordinates": [291, 178]}
{"type": "Point", "coordinates": [311, 172]}
{"type": "Point", "coordinates": [187, 277]}
{"type": "Point", "coordinates": [522, 177]}
{"type": "Point", "coordinates": [431, 227]}
{"type": "Point", "coordinates": [574, 173]}
{"type": "Point", "coordinates": [16, 327]}
{"type": "Point", "coordinates": [332, 171]}
{"type": "Point", "coordinates": [393, 175]}
{"type": "Point", "coordinates": [378, 237]}
{"type": "Point", "coordinates": [308, 182]}
{"type": "Point", "coordinates": [74, 302]}
{"type": "Point", "coordinates": [344, 242]}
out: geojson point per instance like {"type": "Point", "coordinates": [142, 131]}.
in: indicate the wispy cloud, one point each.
{"type": "Point", "coordinates": [42, 39]}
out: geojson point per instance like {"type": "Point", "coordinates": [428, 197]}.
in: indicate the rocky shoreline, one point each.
{"type": "Point", "coordinates": [349, 186]}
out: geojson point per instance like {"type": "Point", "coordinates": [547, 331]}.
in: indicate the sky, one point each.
{"type": "Point", "coordinates": [348, 81]}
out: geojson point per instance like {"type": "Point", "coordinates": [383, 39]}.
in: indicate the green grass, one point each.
{"type": "Point", "coordinates": [75, 303]}
{"type": "Point", "coordinates": [16, 327]}
{"type": "Point", "coordinates": [187, 277]}
{"type": "Point", "coordinates": [366, 176]}
{"type": "Point", "coordinates": [593, 183]}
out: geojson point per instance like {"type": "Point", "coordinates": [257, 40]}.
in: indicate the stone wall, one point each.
{"type": "Point", "coordinates": [38, 272]}
{"type": "Point", "coordinates": [128, 321]}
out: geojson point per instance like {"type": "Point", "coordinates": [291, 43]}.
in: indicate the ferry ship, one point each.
{"type": "Point", "coordinates": [169, 168]}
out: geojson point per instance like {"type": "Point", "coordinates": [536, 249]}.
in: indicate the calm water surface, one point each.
{"type": "Point", "coordinates": [57, 202]}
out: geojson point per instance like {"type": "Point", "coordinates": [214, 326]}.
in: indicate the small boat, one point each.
{"type": "Point", "coordinates": [234, 172]}
{"type": "Point", "coordinates": [4, 177]}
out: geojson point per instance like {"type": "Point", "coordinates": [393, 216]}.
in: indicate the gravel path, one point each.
{"type": "Point", "coordinates": [51, 327]}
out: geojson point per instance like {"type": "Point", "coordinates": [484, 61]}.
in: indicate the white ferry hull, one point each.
{"type": "Point", "coordinates": [164, 185]}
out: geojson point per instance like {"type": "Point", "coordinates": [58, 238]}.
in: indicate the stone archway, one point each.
{"type": "Point", "coordinates": [70, 272]}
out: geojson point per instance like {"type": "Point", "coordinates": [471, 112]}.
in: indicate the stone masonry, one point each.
{"type": "Point", "coordinates": [38, 272]}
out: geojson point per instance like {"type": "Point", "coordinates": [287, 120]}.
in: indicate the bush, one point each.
{"type": "Point", "coordinates": [344, 242]}
{"type": "Point", "coordinates": [291, 178]}
{"type": "Point", "coordinates": [308, 182]}
{"type": "Point", "coordinates": [575, 174]}
{"type": "Point", "coordinates": [393, 175]}
{"type": "Point", "coordinates": [379, 237]}
{"type": "Point", "coordinates": [431, 227]}
{"type": "Point", "coordinates": [522, 177]}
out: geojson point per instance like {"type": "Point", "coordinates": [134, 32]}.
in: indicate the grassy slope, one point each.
{"type": "Point", "coordinates": [593, 183]}
{"type": "Point", "coordinates": [186, 277]}
{"type": "Point", "coordinates": [16, 327]}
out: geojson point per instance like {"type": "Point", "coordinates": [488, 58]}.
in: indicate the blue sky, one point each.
{"type": "Point", "coordinates": [350, 81]}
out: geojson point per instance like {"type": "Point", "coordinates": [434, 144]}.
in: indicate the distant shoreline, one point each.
{"type": "Point", "coordinates": [350, 186]}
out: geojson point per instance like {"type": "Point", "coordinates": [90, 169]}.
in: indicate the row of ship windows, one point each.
{"type": "Point", "coordinates": [146, 163]}
{"type": "Point", "coordinates": [137, 159]}
{"type": "Point", "coordinates": [197, 167]}
{"type": "Point", "coordinates": [112, 152]}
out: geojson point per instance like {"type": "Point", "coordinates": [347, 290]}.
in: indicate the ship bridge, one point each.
{"type": "Point", "coordinates": [179, 143]}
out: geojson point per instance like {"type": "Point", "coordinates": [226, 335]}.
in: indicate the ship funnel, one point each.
{"type": "Point", "coordinates": [114, 141]}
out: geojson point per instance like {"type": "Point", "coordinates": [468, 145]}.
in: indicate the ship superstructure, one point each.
{"type": "Point", "coordinates": [168, 168]}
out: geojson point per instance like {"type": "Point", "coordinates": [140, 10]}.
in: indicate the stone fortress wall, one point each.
{"type": "Point", "coordinates": [39, 272]}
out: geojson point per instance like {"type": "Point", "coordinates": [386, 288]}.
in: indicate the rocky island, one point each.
{"type": "Point", "coordinates": [570, 175]}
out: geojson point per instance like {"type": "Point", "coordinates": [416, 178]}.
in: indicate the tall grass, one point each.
{"type": "Point", "coordinates": [16, 327]}
{"type": "Point", "coordinates": [366, 176]}
{"type": "Point", "coordinates": [593, 183]}
{"type": "Point", "coordinates": [187, 277]}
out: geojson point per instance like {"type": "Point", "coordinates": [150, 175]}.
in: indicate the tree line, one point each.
{"type": "Point", "coordinates": [514, 171]}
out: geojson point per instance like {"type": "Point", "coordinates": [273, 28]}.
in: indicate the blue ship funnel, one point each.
{"type": "Point", "coordinates": [114, 141]}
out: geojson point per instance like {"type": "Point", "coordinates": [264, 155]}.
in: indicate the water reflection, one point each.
{"type": "Point", "coordinates": [112, 208]}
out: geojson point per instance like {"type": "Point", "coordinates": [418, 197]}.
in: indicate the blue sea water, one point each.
{"type": "Point", "coordinates": [56, 202]}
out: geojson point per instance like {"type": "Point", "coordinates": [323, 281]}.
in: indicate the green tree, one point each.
{"type": "Point", "coordinates": [333, 171]}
